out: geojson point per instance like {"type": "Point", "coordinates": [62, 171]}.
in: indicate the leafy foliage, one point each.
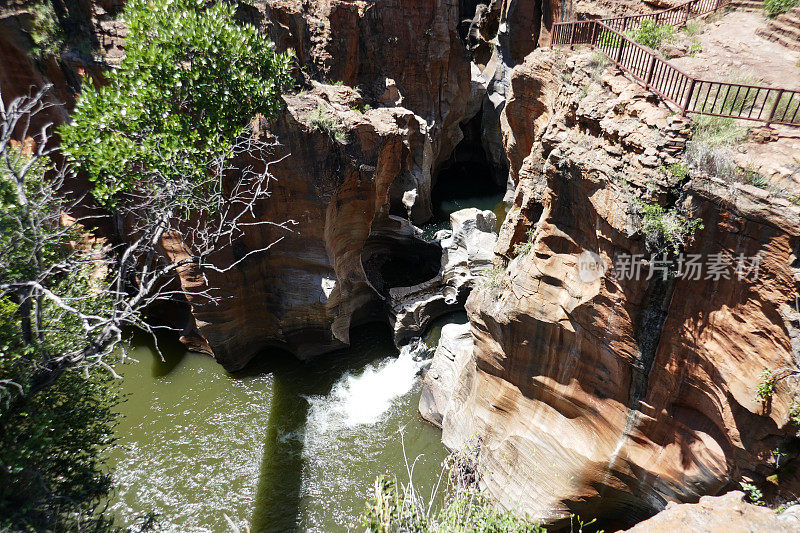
{"type": "Point", "coordinates": [666, 229]}
{"type": "Point", "coordinates": [766, 387]}
{"type": "Point", "coordinates": [776, 7]}
{"type": "Point", "coordinates": [753, 493]}
{"type": "Point", "coordinates": [493, 277]}
{"type": "Point", "coordinates": [35, 246]}
{"type": "Point", "coordinates": [45, 32]}
{"type": "Point", "coordinates": [651, 34]}
{"type": "Point", "coordinates": [466, 508]}
{"type": "Point", "coordinates": [679, 171]}
{"type": "Point", "coordinates": [191, 80]}
{"type": "Point", "coordinates": [51, 471]}
{"type": "Point", "coordinates": [525, 247]}
{"type": "Point", "coordinates": [50, 474]}
{"type": "Point", "coordinates": [794, 415]}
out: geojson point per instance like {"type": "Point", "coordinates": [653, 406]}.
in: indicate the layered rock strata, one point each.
{"type": "Point", "coordinates": [608, 396]}
{"type": "Point", "coordinates": [332, 271]}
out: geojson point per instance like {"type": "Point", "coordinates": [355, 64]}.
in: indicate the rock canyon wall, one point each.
{"type": "Point", "coordinates": [597, 394]}
{"type": "Point", "coordinates": [589, 393]}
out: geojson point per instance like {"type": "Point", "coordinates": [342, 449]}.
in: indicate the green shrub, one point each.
{"type": "Point", "coordinates": [753, 493]}
{"type": "Point", "coordinates": [666, 230]}
{"type": "Point", "coordinates": [651, 35]}
{"type": "Point", "coordinates": [325, 122]}
{"type": "Point", "coordinates": [493, 277]}
{"type": "Point", "coordinates": [191, 81]}
{"type": "Point", "coordinates": [608, 39]}
{"type": "Point", "coordinates": [525, 247]}
{"type": "Point", "coordinates": [465, 508]}
{"type": "Point", "coordinates": [794, 415]}
{"type": "Point", "coordinates": [755, 179]}
{"type": "Point", "coordinates": [776, 7]}
{"type": "Point", "coordinates": [45, 31]}
{"type": "Point", "coordinates": [51, 472]}
{"type": "Point", "coordinates": [51, 475]}
{"type": "Point", "coordinates": [678, 170]}
{"type": "Point", "coordinates": [766, 388]}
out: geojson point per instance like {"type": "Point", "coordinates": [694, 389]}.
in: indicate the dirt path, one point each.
{"type": "Point", "coordinates": [732, 50]}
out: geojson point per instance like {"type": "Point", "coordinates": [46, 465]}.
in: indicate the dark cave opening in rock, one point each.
{"type": "Point", "coordinates": [466, 179]}
{"type": "Point", "coordinates": [399, 261]}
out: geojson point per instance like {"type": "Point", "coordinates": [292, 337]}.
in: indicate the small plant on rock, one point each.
{"type": "Point", "coordinates": [753, 493]}
{"type": "Point", "coordinates": [324, 121]}
{"type": "Point", "coordinates": [777, 7]}
{"type": "Point", "coordinates": [766, 388]}
{"type": "Point", "coordinates": [651, 34]}
{"type": "Point", "coordinates": [794, 415]}
{"type": "Point", "coordinates": [492, 277]}
{"type": "Point", "coordinates": [525, 247]}
{"type": "Point", "coordinates": [666, 229]}
{"type": "Point", "coordinates": [678, 170]}
{"type": "Point", "coordinates": [45, 31]}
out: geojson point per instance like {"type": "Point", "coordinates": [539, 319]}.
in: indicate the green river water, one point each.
{"type": "Point", "coordinates": [284, 445]}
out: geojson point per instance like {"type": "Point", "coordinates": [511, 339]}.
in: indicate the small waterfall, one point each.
{"type": "Point", "coordinates": [358, 399]}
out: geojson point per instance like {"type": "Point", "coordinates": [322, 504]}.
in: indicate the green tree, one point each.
{"type": "Point", "coordinates": [191, 81]}
{"type": "Point", "coordinates": [51, 478]}
{"type": "Point", "coordinates": [157, 141]}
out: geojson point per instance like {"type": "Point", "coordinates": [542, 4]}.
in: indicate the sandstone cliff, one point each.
{"type": "Point", "coordinates": [607, 396]}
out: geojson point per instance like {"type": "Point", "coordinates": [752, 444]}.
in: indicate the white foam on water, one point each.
{"type": "Point", "coordinates": [362, 399]}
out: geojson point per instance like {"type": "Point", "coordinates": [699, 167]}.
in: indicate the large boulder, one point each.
{"type": "Point", "coordinates": [721, 513]}
{"type": "Point", "coordinates": [467, 252]}
{"type": "Point", "coordinates": [452, 354]}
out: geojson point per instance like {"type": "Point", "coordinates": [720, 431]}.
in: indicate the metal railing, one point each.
{"type": "Point", "coordinates": [674, 16]}
{"type": "Point", "coordinates": [772, 105]}
{"type": "Point", "coordinates": [569, 33]}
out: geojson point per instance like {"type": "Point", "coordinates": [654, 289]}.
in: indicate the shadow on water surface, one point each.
{"type": "Point", "coordinates": [284, 445]}
{"type": "Point", "coordinates": [279, 496]}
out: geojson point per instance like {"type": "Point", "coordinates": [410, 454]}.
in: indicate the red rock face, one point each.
{"type": "Point", "coordinates": [306, 292]}
{"type": "Point", "coordinates": [610, 397]}
{"type": "Point", "coordinates": [20, 75]}
{"type": "Point", "coordinates": [415, 44]}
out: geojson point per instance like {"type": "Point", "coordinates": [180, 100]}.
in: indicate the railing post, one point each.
{"type": "Point", "coordinates": [688, 8]}
{"type": "Point", "coordinates": [572, 36]}
{"type": "Point", "coordinates": [594, 34]}
{"type": "Point", "coordinates": [621, 47]}
{"type": "Point", "coordinates": [650, 70]}
{"type": "Point", "coordinates": [688, 99]}
{"type": "Point", "coordinates": [775, 107]}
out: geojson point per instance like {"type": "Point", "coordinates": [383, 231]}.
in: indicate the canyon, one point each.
{"type": "Point", "coordinates": [593, 395]}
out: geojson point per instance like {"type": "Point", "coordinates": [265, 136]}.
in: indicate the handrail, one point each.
{"type": "Point", "coordinates": [773, 105]}
{"type": "Point", "coordinates": [674, 16]}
